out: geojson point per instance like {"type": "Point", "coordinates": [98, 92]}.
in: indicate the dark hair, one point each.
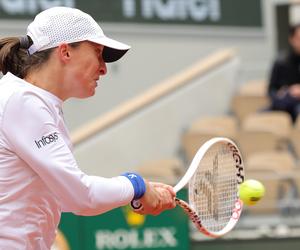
{"type": "Point", "coordinates": [293, 29]}
{"type": "Point", "coordinates": [14, 56]}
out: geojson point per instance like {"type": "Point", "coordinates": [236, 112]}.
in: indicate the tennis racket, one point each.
{"type": "Point", "coordinates": [213, 179]}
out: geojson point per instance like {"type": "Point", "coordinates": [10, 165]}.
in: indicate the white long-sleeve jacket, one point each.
{"type": "Point", "coordinates": [39, 177]}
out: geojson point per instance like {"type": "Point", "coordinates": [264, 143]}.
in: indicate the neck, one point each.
{"type": "Point", "coordinates": [47, 80]}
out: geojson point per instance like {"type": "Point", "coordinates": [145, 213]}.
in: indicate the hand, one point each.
{"type": "Point", "coordinates": [158, 197]}
{"type": "Point", "coordinates": [281, 93]}
{"type": "Point", "coordinates": [294, 90]}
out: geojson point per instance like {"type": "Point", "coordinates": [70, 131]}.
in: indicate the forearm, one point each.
{"type": "Point", "coordinates": [103, 194]}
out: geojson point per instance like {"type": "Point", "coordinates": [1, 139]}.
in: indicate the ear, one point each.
{"type": "Point", "coordinates": [64, 52]}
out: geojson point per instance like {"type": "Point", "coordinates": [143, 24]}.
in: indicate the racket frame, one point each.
{"type": "Point", "coordinates": [191, 171]}
{"type": "Point", "coordinates": [238, 206]}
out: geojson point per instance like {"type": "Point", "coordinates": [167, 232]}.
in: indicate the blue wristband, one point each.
{"type": "Point", "coordinates": [138, 184]}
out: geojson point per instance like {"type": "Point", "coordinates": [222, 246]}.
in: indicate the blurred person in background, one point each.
{"type": "Point", "coordinates": [284, 84]}
{"type": "Point", "coordinates": [62, 56]}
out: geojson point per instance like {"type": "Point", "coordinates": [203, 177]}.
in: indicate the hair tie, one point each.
{"type": "Point", "coordinates": [24, 42]}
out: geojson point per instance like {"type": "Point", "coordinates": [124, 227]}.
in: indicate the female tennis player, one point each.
{"type": "Point", "coordinates": [62, 56]}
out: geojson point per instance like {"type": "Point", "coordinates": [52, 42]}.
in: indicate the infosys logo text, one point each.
{"type": "Point", "coordinates": [47, 140]}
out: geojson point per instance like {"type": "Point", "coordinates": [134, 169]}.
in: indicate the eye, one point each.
{"type": "Point", "coordinates": [99, 52]}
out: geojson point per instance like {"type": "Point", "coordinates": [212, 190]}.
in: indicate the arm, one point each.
{"type": "Point", "coordinates": [26, 121]}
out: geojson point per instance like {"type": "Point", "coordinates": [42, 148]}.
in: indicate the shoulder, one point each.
{"type": "Point", "coordinates": [26, 109]}
{"type": "Point", "coordinates": [14, 88]}
{"type": "Point", "coordinates": [15, 98]}
{"type": "Point", "coordinates": [18, 96]}
{"type": "Point", "coordinates": [25, 103]}
{"type": "Point", "coordinates": [24, 97]}
{"type": "Point", "coordinates": [24, 92]}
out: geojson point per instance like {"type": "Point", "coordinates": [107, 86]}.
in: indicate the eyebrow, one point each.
{"type": "Point", "coordinates": [97, 46]}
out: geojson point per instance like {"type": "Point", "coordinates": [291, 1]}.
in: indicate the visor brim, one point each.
{"type": "Point", "coordinates": [113, 50]}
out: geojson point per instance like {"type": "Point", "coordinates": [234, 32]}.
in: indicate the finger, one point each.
{"type": "Point", "coordinates": [162, 185]}
{"type": "Point", "coordinates": [172, 204]}
{"type": "Point", "coordinates": [160, 204]}
{"type": "Point", "coordinates": [167, 199]}
{"type": "Point", "coordinates": [155, 210]}
{"type": "Point", "coordinates": [155, 213]}
{"type": "Point", "coordinates": [171, 190]}
{"type": "Point", "coordinates": [156, 184]}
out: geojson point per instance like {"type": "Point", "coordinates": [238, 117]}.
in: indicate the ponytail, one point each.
{"type": "Point", "coordinates": [14, 56]}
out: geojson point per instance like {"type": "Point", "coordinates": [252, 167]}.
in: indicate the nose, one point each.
{"type": "Point", "coordinates": [102, 68]}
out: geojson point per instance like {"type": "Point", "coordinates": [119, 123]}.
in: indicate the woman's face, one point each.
{"type": "Point", "coordinates": [84, 69]}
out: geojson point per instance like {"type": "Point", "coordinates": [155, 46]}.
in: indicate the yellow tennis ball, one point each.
{"type": "Point", "coordinates": [134, 219]}
{"type": "Point", "coordinates": [251, 191]}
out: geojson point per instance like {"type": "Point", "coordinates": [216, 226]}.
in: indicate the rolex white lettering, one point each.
{"type": "Point", "coordinates": [162, 237]}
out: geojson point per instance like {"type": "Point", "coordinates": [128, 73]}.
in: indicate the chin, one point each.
{"type": "Point", "coordinates": [91, 93]}
{"type": "Point", "coordinates": [87, 95]}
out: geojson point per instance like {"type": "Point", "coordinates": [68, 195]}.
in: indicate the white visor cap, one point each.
{"type": "Point", "coordinates": [58, 25]}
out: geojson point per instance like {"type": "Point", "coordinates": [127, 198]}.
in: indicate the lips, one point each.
{"type": "Point", "coordinates": [96, 82]}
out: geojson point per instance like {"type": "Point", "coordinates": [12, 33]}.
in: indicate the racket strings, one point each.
{"type": "Point", "coordinates": [213, 188]}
